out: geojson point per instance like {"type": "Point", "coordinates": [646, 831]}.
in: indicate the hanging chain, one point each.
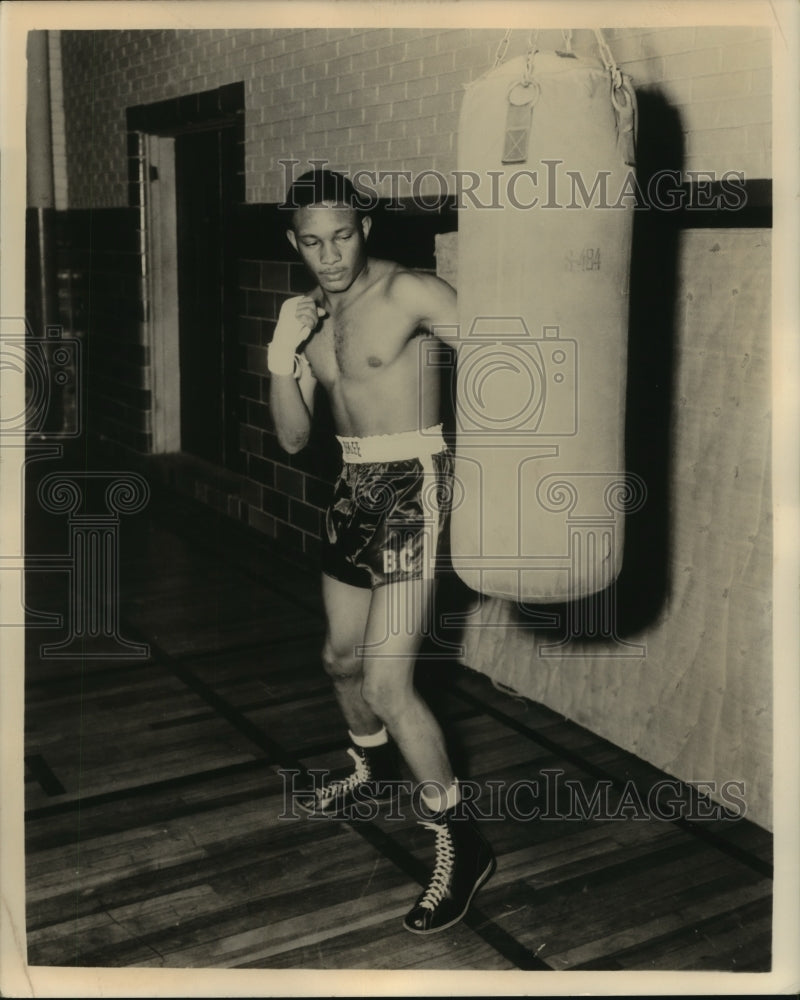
{"type": "Point", "coordinates": [501, 49]}
{"type": "Point", "coordinates": [533, 38]}
{"type": "Point", "coordinates": [608, 58]}
{"type": "Point", "coordinates": [605, 52]}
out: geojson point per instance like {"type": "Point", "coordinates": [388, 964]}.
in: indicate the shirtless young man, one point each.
{"type": "Point", "coordinates": [358, 336]}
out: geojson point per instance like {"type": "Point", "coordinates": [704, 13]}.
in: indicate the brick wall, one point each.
{"type": "Point", "coordinates": [101, 302]}
{"type": "Point", "coordinates": [719, 79]}
{"type": "Point", "coordinates": [284, 494]}
{"type": "Point", "coordinates": [387, 99]}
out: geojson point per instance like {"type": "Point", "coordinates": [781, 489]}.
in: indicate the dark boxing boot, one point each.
{"type": "Point", "coordinates": [464, 861]}
{"type": "Point", "coordinates": [374, 779]}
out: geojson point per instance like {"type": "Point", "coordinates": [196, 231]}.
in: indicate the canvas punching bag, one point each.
{"type": "Point", "coordinates": [542, 340]}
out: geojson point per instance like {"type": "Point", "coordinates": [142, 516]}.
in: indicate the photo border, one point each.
{"type": "Point", "coordinates": [16, 978]}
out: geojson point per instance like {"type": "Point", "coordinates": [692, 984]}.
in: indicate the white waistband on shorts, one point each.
{"type": "Point", "coordinates": [393, 447]}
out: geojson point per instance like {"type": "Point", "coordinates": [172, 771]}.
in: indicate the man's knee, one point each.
{"type": "Point", "coordinates": [340, 662]}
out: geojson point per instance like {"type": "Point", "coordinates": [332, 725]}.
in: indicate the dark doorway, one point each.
{"type": "Point", "coordinates": [205, 175]}
{"type": "Point", "coordinates": [192, 148]}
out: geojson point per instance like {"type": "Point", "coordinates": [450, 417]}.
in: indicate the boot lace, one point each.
{"type": "Point", "coordinates": [343, 786]}
{"type": "Point", "coordinates": [442, 869]}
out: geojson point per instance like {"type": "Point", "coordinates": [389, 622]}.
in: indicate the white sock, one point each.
{"type": "Point", "coordinates": [371, 739]}
{"type": "Point", "coordinates": [440, 803]}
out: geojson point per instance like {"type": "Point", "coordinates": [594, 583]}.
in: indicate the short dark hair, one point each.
{"type": "Point", "coordinates": [318, 185]}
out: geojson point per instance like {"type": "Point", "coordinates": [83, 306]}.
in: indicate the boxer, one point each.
{"type": "Point", "coordinates": [357, 335]}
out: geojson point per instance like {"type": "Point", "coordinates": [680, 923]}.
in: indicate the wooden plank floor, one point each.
{"type": "Point", "coordinates": [156, 824]}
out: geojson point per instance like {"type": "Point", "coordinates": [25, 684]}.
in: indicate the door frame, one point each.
{"type": "Point", "coordinates": [161, 277]}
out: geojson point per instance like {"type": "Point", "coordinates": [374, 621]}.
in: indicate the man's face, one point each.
{"type": "Point", "coordinates": [331, 239]}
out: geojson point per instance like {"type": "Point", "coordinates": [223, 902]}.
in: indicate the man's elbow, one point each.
{"type": "Point", "coordinates": [293, 444]}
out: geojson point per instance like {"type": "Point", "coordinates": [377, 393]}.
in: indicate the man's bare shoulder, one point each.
{"type": "Point", "coordinates": [407, 281]}
{"type": "Point", "coordinates": [430, 300]}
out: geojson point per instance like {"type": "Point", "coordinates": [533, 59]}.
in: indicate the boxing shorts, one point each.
{"type": "Point", "coordinates": [388, 517]}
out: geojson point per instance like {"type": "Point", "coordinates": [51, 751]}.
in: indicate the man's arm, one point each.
{"type": "Point", "coordinates": [291, 403]}
{"type": "Point", "coordinates": [291, 398]}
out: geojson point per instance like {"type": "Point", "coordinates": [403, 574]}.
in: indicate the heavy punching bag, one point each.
{"type": "Point", "coordinates": [545, 162]}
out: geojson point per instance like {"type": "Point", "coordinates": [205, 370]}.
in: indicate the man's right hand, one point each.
{"type": "Point", "coordinates": [297, 318]}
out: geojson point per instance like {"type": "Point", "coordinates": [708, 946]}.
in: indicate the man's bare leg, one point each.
{"type": "Point", "coordinates": [463, 860]}
{"type": "Point", "coordinates": [375, 767]}
{"type": "Point", "coordinates": [347, 611]}
{"type": "Point", "coordinates": [394, 631]}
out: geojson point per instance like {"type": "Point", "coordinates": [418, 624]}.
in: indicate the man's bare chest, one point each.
{"type": "Point", "coordinates": [358, 343]}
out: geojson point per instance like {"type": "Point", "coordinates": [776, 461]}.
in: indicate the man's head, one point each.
{"type": "Point", "coordinates": [327, 228]}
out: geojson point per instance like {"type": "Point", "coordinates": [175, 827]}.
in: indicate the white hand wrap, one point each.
{"type": "Point", "coordinates": [281, 362]}
{"type": "Point", "coordinates": [289, 334]}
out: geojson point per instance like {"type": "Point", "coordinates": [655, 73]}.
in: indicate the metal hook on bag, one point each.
{"type": "Point", "coordinates": [618, 90]}
{"type": "Point", "coordinates": [524, 92]}
{"type": "Point", "coordinates": [522, 97]}
{"type": "Point", "coordinates": [623, 100]}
